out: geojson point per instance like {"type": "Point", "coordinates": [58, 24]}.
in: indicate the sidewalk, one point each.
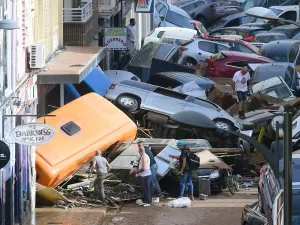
{"type": "Point", "coordinates": [76, 216]}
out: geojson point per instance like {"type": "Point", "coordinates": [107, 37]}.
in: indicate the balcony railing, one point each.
{"type": "Point", "coordinates": [79, 15]}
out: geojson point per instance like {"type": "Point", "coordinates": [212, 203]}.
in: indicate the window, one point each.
{"type": "Point", "coordinates": [222, 48]}
{"type": "Point", "coordinates": [205, 104]}
{"type": "Point", "coordinates": [289, 77]}
{"type": "Point", "coordinates": [162, 11]}
{"type": "Point", "coordinates": [160, 34]}
{"type": "Point", "coordinates": [200, 3]}
{"type": "Point", "coordinates": [238, 64]}
{"type": "Point", "coordinates": [290, 15]}
{"type": "Point", "coordinates": [134, 78]}
{"type": "Point", "coordinates": [83, 88]}
{"type": "Point", "coordinates": [163, 81]}
{"type": "Point", "coordinates": [296, 37]}
{"type": "Point", "coordinates": [247, 19]}
{"type": "Point", "coordinates": [170, 93]}
{"type": "Point", "coordinates": [178, 20]}
{"type": "Point", "coordinates": [159, 6]}
{"type": "Point", "coordinates": [241, 48]}
{"type": "Point", "coordinates": [233, 23]}
{"type": "Point", "coordinates": [207, 46]}
{"type": "Point", "coordinates": [293, 53]}
{"type": "Point", "coordinates": [274, 3]}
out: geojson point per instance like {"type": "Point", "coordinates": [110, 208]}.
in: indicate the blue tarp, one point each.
{"type": "Point", "coordinates": [96, 81]}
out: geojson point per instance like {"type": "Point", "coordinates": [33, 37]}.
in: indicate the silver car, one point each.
{"type": "Point", "coordinates": [133, 96]}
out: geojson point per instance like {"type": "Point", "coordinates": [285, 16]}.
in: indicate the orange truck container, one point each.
{"type": "Point", "coordinates": [83, 126]}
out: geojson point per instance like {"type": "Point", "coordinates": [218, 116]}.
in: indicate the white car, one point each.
{"type": "Point", "coordinates": [176, 35]}
{"type": "Point", "coordinates": [197, 50]}
{"type": "Point", "coordinates": [168, 15]}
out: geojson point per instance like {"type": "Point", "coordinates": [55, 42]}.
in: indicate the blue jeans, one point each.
{"type": "Point", "coordinates": [186, 178]}
{"type": "Point", "coordinates": [147, 186]}
{"type": "Point", "coordinates": [156, 188]}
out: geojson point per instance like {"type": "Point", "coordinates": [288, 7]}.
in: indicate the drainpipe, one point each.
{"type": "Point", "coordinates": [13, 46]}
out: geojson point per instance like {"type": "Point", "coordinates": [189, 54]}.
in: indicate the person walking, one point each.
{"type": "Point", "coordinates": [184, 170]}
{"type": "Point", "coordinates": [144, 172]}
{"type": "Point", "coordinates": [102, 168]}
{"type": "Point", "coordinates": [156, 191]}
{"type": "Point", "coordinates": [241, 85]}
{"type": "Point", "coordinates": [131, 31]}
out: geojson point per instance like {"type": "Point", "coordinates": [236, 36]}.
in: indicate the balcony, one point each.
{"type": "Point", "coordinates": [80, 14]}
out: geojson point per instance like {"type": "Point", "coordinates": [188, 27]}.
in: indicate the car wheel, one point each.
{"type": "Point", "coordinates": [190, 62]}
{"type": "Point", "coordinates": [261, 209]}
{"type": "Point", "coordinates": [223, 124]}
{"type": "Point", "coordinates": [128, 103]}
{"type": "Point", "coordinates": [202, 19]}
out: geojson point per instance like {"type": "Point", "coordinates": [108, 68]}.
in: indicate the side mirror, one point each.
{"type": "Point", "coordinates": [161, 17]}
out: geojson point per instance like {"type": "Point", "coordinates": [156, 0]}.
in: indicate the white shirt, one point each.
{"type": "Point", "coordinates": [241, 81]}
{"type": "Point", "coordinates": [131, 33]}
{"type": "Point", "coordinates": [147, 171]}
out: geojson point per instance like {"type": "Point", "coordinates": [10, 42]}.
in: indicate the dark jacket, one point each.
{"type": "Point", "coordinates": [150, 154]}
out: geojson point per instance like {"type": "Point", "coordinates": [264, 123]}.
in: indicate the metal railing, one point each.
{"type": "Point", "coordinates": [81, 14]}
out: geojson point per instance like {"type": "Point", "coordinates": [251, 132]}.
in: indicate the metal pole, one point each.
{"type": "Point", "coordinates": [287, 168]}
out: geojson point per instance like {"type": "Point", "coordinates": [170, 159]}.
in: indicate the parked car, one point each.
{"type": "Point", "coordinates": [247, 32]}
{"type": "Point", "coordinates": [224, 64]}
{"type": "Point", "coordinates": [175, 79]}
{"type": "Point", "coordinates": [288, 30]}
{"type": "Point", "coordinates": [177, 35]}
{"type": "Point", "coordinates": [287, 71]}
{"type": "Point", "coordinates": [233, 20]}
{"type": "Point", "coordinates": [118, 75]}
{"type": "Point", "coordinates": [268, 37]}
{"type": "Point", "coordinates": [168, 15]}
{"type": "Point", "coordinates": [140, 64]}
{"type": "Point", "coordinates": [209, 11]}
{"type": "Point", "coordinates": [282, 51]}
{"type": "Point", "coordinates": [270, 187]}
{"type": "Point", "coordinates": [197, 50]}
{"type": "Point", "coordinates": [266, 24]}
{"type": "Point", "coordinates": [134, 96]}
{"type": "Point", "coordinates": [252, 216]}
{"type": "Point", "coordinates": [267, 3]}
{"type": "Point", "coordinates": [275, 87]}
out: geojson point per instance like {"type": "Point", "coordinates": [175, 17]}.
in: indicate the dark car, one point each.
{"type": "Point", "coordinates": [267, 26]}
{"type": "Point", "coordinates": [246, 32]}
{"type": "Point", "coordinates": [175, 79]}
{"type": "Point", "coordinates": [285, 70]}
{"type": "Point", "coordinates": [209, 11]}
{"type": "Point", "coordinates": [140, 64]}
{"type": "Point", "coordinates": [267, 3]}
{"type": "Point", "coordinates": [270, 186]}
{"type": "Point", "coordinates": [252, 216]}
{"type": "Point", "coordinates": [282, 51]}
{"type": "Point", "coordinates": [288, 30]}
{"type": "Point", "coordinates": [233, 20]}
{"type": "Point", "coordinates": [268, 37]}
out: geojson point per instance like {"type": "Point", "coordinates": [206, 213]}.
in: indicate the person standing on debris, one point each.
{"type": "Point", "coordinates": [185, 171]}
{"type": "Point", "coordinates": [131, 31]}
{"type": "Point", "coordinates": [156, 191]}
{"type": "Point", "coordinates": [241, 85]}
{"type": "Point", "coordinates": [144, 172]}
{"type": "Point", "coordinates": [102, 168]}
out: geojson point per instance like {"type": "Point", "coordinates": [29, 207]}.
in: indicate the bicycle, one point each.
{"type": "Point", "coordinates": [229, 181]}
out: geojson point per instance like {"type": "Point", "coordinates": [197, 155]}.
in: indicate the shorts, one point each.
{"type": "Point", "coordinates": [242, 95]}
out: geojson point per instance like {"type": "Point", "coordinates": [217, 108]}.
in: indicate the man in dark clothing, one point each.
{"type": "Point", "coordinates": [185, 171]}
{"type": "Point", "coordinates": [154, 168]}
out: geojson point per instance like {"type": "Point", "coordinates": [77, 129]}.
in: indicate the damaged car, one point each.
{"type": "Point", "coordinates": [252, 216]}
{"type": "Point", "coordinates": [135, 96]}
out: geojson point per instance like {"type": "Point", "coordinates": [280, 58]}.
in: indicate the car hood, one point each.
{"type": "Point", "coordinates": [261, 12]}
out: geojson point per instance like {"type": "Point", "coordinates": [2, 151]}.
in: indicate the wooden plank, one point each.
{"type": "Point", "coordinates": [221, 150]}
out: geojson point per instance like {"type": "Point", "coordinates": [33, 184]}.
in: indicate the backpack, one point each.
{"type": "Point", "coordinates": [193, 161]}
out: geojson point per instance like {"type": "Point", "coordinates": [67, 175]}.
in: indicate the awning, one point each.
{"type": "Point", "coordinates": [72, 65]}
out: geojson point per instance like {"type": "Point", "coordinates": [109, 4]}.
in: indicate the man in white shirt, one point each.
{"type": "Point", "coordinates": [241, 85]}
{"type": "Point", "coordinates": [131, 31]}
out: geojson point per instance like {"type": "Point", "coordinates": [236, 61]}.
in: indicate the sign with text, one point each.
{"type": "Point", "coordinates": [33, 134]}
{"type": "Point", "coordinates": [115, 38]}
{"type": "Point", "coordinates": [4, 154]}
{"type": "Point", "coordinates": [144, 6]}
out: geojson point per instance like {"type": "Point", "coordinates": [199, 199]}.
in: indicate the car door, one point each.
{"type": "Point", "coordinates": [160, 10]}
{"type": "Point", "coordinates": [205, 49]}
{"type": "Point", "coordinates": [293, 53]}
{"type": "Point", "coordinates": [164, 101]}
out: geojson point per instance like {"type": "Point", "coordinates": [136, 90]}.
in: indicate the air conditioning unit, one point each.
{"type": "Point", "coordinates": [106, 5]}
{"type": "Point", "coordinates": [37, 56]}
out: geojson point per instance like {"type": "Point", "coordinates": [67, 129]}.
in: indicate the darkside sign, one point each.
{"type": "Point", "coordinates": [4, 154]}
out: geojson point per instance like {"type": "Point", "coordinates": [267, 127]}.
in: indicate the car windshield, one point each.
{"type": "Point", "coordinates": [249, 4]}
{"type": "Point", "coordinates": [277, 91]}
{"type": "Point", "coordinates": [178, 20]}
{"type": "Point", "coordinates": [276, 11]}
{"type": "Point", "coordinates": [268, 38]}
{"type": "Point", "coordinates": [175, 41]}
{"type": "Point", "coordinates": [296, 37]}
{"type": "Point", "coordinates": [217, 24]}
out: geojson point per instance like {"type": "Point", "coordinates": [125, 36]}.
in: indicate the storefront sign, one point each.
{"type": "Point", "coordinates": [144, 6]}
{"type": "Point", "coordinates": [4, 154]}
{"type": "Point", "coordinates": [33, 134]}
{"type": "Point", "coordinates": [115, 38]}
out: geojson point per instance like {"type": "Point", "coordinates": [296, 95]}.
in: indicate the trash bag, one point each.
{"type": "Point", "coordinates": [183, 202]}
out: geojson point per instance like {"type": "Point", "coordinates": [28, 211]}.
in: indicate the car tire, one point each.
{"type": "Point", "coordinates": [128, 103]}
{"type": "Point", "coordinates": [202, 19]}
{"type": "Point", "coordinates": [223, 124]}
{"type": "Point", "coordinates": [261, 209]}
{"type": "Point", "coordinates": [190, 62]}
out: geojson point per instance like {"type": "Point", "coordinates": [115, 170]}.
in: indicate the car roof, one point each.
{"type": "Point", "coordinates": [278, 46]}
{"type": "Point", "coordinates": [273, 68]}
{"type": "Point", "coordinates": [286, 27]}
{"type": "Point", "coordinates": [245, 55]}
{"type": "Point", "coordinates": [186, 77]}
{"type": "Point", "coordinates": [138, 84]}
{"type": "Point", "coordinates": [286, 7]}
{"type": "Point", "coordinates": [269, 34]}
